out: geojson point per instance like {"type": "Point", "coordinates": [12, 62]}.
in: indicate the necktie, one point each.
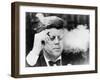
{"type": "Point", "coordinates": [51, 63]}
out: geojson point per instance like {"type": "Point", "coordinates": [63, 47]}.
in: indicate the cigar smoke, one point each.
{"type": "Point", "coordinates": [77, 39]}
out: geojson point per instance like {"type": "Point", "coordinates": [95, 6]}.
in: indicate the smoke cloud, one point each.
{"type": "Point", "coordinates": [77, 39]}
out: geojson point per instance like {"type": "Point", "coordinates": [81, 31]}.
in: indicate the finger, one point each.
{"type": "Point", "coordinates": [47, 38]}
{"type": "Point", "coordinates": [44, 33]}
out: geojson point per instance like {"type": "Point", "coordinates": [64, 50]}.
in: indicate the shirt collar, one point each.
{"type": "Point", "coordinates": [47, 60]}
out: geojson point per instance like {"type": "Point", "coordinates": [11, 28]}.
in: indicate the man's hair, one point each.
{"type": "Point", "coordinates": [57, 24]}
{"type": "Point", "coordinates": [50, 22]}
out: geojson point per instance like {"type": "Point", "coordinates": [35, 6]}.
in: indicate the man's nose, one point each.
{"type": "Point", "coordinates": [56, 41]}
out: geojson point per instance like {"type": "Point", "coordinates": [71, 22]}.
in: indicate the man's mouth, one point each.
{"type": "Point", "coordinates": [56, 48]}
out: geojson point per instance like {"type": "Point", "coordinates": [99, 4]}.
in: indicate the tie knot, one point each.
{"type": "Point", "coordinates": [51, 63]}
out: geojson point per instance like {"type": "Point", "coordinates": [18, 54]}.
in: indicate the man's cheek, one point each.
{"type": "Point", "coordinates": [47, 41]}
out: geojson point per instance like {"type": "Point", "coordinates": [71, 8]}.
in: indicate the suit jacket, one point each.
{"type": "Point", "coordinates": [67, 58]}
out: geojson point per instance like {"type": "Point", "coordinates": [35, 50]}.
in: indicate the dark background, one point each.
{"type": "Point", "coordinates": [71, 21]}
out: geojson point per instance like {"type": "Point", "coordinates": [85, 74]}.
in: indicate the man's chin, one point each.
{"type": "Point", "coordinates": [57, 52]}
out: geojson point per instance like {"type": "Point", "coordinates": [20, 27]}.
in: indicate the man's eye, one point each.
{"type": "Point", "coordinates": [60, 37]}
{"type": "Point", "coordinates": [52, 38]}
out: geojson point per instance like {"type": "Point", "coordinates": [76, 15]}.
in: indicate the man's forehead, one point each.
{"type": "Point", "coordinates": [55, 31]}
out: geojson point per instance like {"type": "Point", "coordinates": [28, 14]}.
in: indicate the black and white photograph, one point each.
{"type": "Point", "coordinates": [56, 39]}
{"type": "Point", "coordinates": [53, 39]}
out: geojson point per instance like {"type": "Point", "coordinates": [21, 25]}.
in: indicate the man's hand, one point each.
{"type": "Point", "coordinates": [37, 47]}
{"type": "Point", "coordinates": [39, 39]}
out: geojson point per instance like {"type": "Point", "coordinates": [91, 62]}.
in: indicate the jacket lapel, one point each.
{"type": "Point", "coordinates": [41, 61]}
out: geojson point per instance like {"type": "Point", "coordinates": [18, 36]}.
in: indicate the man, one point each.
{"type": "Point", "coordinates": [48, 44]}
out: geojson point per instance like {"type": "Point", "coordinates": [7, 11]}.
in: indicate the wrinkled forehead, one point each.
{"type": "Point", "coordinates": [54, 31]}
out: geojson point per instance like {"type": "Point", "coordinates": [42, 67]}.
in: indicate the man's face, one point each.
{"type": "Point", "coordinates": [54, 42]}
